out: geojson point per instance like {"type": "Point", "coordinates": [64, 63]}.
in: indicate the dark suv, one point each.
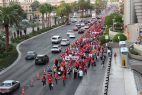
{"type": "Point", "coordinates": [41, 59]}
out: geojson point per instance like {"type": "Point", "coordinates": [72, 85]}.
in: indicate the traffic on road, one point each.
{"type": "Point", "coordinates": [72, 59]}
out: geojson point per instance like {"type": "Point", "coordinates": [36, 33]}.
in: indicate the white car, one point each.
{"type": "Point", "coordinates": [56, 48]}
{"type": "Point", "coordinates": [56, 39]}
{"type": "Point", "coordinates": [86, 27]}
{"type": "Point", "coordinates": [68, 33]}
{"type": "Point", "coordinates": [65, 42]}
{"type": "Point", "coordinates": [72, 35]}
{"type": "Point", "coordinates": [9, 86]}
{"type": "Point", "coordinates": [82, 24]}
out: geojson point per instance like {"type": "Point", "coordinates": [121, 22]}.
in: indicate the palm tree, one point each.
{"type": "Point", "coordinates": [42, 9]}
{"type": "Point", "coordinates": [9, 16]}
{"type": "Point", "coordinates": [64, 10]}
{"type": "Point", "coordinates": [82, 5]}
{"type": "Point", "coordinates": [49, 10]}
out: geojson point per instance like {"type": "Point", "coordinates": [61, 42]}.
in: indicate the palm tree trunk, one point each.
{"type": "Point", "coordinates": [7, 36]}
{"type": "Point", "coordinates": [42, 21]}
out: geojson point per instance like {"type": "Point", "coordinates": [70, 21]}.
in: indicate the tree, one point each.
{"type": "Point", "coordinates": [109, 19]}
{"type": "Point", "coordinates": [49, 9]}
{"type": "Point", "coordinates": [42, 9]}
{"type": "Point", "coordinates": [64, 10]}
{"type": "Point", "coordinates": [75, 6]}
{"type": "Point", "coordinates": [24, 25]}
{"type": "Point", "coordinates": [119, 37]}
{"type": "Point", "coordinates": [9, 16]}
{"type": "Point", "coordinates": [35, 5]}
{"type": "Point", "coordinates": [99, 5]}
{"type": "Point", "coordinates": [82, 5]}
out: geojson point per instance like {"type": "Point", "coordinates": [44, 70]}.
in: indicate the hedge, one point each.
{"type": "Point", "coordinates": [121, 36]}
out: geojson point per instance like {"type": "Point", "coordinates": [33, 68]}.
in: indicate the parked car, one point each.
{"type": "Point", "coordinates": [8, 86]}
{"type": "Point", "coordinates": [31, 55]}
{"type": "Point", "coordinates": [56, 48]}
{"type": "Point", "coordinates": [71, 35]}
{"type": "Point", "coordinates": [41, 59]}
{"type": "Point", "coordinates": [65, 42]}
{"type": "Point", "coordinates": [56, 39]}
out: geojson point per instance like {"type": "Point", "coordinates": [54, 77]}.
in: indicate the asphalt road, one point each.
{"type": "Point", "coordinates": [25, 71]}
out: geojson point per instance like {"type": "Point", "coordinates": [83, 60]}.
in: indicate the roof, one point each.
{"type": "Point", "coordinates": [8, 81]}
{"type": "Point", "coordinates": [123, 49]}
{"type": "Point", "coordinates": [56, 36]}
{"type": "Point", "coordinates": [55, 46]}
{"type": "Point", "coordinates": [64, 39]}
{"type": "Point", "coordinates": [40, 55]}
{"type": "Point", "coordinates": [30, 52]}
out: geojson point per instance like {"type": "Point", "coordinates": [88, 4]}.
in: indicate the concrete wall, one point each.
{"type": "Point", "coordinates": [135, 56]}
{"type": "Point", "coordinates": [133, 30]}
{"type": "Point", "coordinates": [138, 48]}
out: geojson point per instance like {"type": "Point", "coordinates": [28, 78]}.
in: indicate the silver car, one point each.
{"type": "Point", "coordinates": [31, 55]}
{"type": "Point", "coordinates": [9, 86]}
{"type": "Point", "coordinates": [56, 48]}
{"type": "Point", "coordinates": [65, 42]}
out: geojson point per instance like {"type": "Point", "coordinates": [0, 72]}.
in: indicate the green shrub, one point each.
{"type": "Point", "coordinates": [103, 40]}
{"type": "Point", "coordinates": [121, 36]}
{"type": "Point", "coordinates": [8, 57]}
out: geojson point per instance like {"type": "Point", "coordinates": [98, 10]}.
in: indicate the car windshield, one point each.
{"type": "Point", "coordinates": [54, 38]}
{"type": "Point", "coordinates": [6, 84]}
{"type": "Point", "coordinates": [30, 53]}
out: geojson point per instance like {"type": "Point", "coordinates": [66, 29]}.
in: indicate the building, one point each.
{"type": "Point", "coordinates": [6, 2]}
{"type": "Point", "coordinates": [133, 18]}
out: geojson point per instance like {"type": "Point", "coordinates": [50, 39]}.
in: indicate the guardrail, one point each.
{"type": "Point", "coordinates": [107, 74]}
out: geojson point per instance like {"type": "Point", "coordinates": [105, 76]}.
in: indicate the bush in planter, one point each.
{"type": "Point", "coordinates": [121, 36]}
{"type": "Point", "coordinates": [103, 40]}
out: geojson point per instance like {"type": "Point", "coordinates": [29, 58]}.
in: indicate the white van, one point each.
{"type": "Point", "coordinates": [56, 39]}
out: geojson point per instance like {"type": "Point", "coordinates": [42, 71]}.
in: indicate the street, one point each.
{"type": "Point", "coordinates": [25, 71]}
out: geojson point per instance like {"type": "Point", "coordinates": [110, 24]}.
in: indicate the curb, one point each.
{"type": "Point", "coordinates": [19, 53]}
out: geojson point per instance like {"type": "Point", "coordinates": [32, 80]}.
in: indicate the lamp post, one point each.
{"type": "Point", "coordinates": [113, 24]}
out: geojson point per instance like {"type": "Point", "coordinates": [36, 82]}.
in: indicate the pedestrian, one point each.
{"type": "Point", "coordinates": [44, 80]}
{"type": "Point", "coordinates": [75, 73]}
{"type": "Point", "coordinates": [69, 71]}
{"type": "Point", "coordinates": [85, 70]}
{"type": "Point", "coordinates": [64, 79]}
{"type": "Point", "coordinates": [50, 83]}
{"type": "Point", "coordinates": [56, 77]}
{"type": "Point", "coordinates": [80, 74]}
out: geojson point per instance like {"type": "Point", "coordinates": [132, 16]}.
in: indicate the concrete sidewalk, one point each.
{"type": "Point", "coordinates": [92, 83]}
{"type": "Point", "coordinates": [121, 79]}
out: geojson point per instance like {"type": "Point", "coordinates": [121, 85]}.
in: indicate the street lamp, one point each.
{"type": "Point", "coordinates": [113, 24]}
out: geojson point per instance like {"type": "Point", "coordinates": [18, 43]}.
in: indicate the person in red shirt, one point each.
{"type": "Point", "coordinates": [64, 79]}
{"type": "Point", "coordinates": [44, 80]}
{"type": "Point", "coordinates": [56, 77]}
{"type": "Point", "coordinates": [50, 83]}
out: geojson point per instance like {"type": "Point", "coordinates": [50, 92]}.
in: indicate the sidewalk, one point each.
{"type": "Point", "coordinates": [91, 83]}
{"type": "Point", "coordinates": [121, 79]}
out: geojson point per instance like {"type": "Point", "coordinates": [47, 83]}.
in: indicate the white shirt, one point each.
{"type": "Point", "coordinates": [80, 73]}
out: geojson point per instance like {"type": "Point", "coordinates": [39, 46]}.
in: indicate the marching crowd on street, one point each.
{"type": "Point", "coordinates": [77, 58]}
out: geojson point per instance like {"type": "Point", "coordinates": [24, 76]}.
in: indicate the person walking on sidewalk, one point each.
{"type": "Point", "coordinates": [64, 79]}
{"type": "Point", "coordinates": [115, 55]}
